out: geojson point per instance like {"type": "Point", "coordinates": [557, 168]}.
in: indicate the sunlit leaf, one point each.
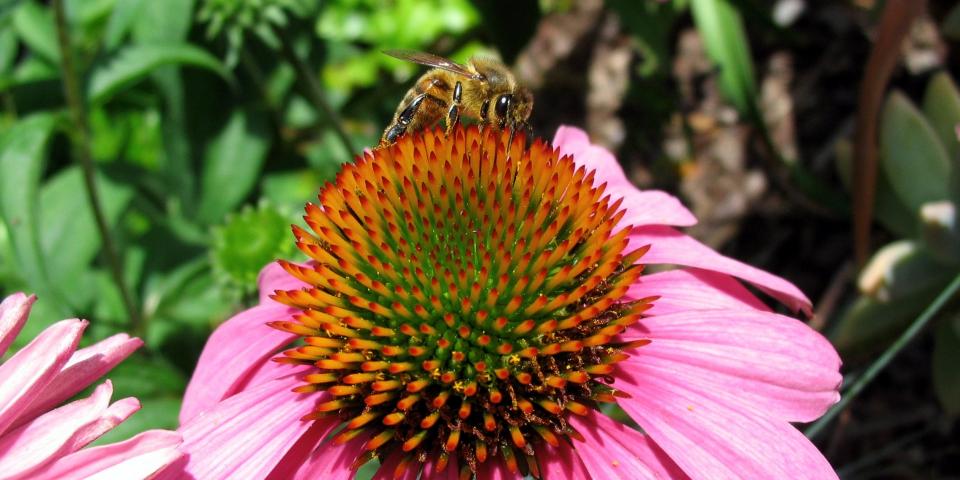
{"type": "Point", "coordinates": [911, 154]}
{"type": "Point", "coordinates": [722, 31]}
{"type": "Point", "coordinates": [124, 14]}
{"type": "Point", "coordinates": [232, 164]}
{"type": "Point", "coordinates": [131, 64]}
{"type": "Point", "coordinates": [868, 325]}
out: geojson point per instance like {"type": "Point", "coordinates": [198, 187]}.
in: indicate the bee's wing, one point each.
{"type": "Point", "coordinates": [431, 60]}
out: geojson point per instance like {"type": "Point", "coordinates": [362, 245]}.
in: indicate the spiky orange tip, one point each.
{"type": "Point", "coordinates": [466, 289]}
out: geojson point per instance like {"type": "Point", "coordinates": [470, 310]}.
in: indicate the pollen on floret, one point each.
{"type": "Point", "coordinates": [466, 296]}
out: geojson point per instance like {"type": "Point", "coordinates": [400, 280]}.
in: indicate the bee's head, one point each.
{"type": "Point", "coordinates": [513, 108]}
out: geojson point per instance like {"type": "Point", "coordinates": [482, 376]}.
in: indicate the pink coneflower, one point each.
{"type": "Point", "coordinates": [39, 440]}
{"type": "Point", "coordinates": [470, 306]}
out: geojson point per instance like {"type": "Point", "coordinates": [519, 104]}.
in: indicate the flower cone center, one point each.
{"type": "Point", "coordinates": [466, 296]}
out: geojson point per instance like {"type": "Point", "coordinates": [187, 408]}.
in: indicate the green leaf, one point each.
{"type": "Point", "coordinates": [946, 358]}
{"type": "Point", "coordinates": [169, 21]}
{"type": "Point", "coordinates": [133, 63]}
{"type": "Point", "coordinates": [34, 25]}
{"type": "Point", "coordinates": [22, 155]}
{"type": "Point", "coordinates": [868, 325]}
{"type": "Point", "coordinates": [941, 105]}
{"type": "Point", "coordinates": [887, 207]}
{"type": "Point", "coordinates": [721, 27]}
{"type": "Point", "coordinates": [121, 19]}
{"type": "Point", "coordinates": [69, 238]}
{"type": "Point", "coordinates": [8, 50]}
{"type": "Point", "coordinates": [911, 154]}
{"type": "Point", "coordinates": [232, 164]}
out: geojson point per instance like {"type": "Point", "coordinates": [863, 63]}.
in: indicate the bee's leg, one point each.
{"type": "Point", "coordinates": [399, 127]}
{"type": "Point", "coordinates": [453, 114]}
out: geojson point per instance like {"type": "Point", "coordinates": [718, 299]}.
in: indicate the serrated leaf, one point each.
{"type": "Point", "coordinates": [232, 164]}
{"type": "Point", "coordinates": [70, 239]}
{"type": "Point", "coordinates": [22, 157]}
{"type": "Point", "coordinates": [722, 31]}
{"type": "Point", "coordinates": [133, 63]}
{"type": "Point", "coordinates": [946, 359]}
{"type": "Point", "coordinates": [34, 25]}
{"type": "Point", "coordinates": [911, 154]}
{"type": "Point", "coordinates": [941, 105]}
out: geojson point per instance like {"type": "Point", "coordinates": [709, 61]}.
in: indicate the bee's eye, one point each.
{"type": "Point", "coordinates": [503, 105]}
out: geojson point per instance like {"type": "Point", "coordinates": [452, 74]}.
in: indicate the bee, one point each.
{"type": "Point", "coordinates": [483, 89]}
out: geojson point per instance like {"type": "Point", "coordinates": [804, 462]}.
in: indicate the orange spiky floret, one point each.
{"type": "Point", "coordinates": [463, 295]}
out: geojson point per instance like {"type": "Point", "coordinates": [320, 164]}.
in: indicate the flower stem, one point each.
{"type": "Point", "coordinates": [313, 89]}
{"type": "Point", "coordinates": [81, 145]}
{"type": "Point", "coordinates": [883, 360]}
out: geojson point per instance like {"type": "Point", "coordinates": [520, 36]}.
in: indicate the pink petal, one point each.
{"type": "Point", "coordinates": [672, 247]}
{"type": "Point", "coordinates": [776, 364]}
{"type": "Point", "coordinates": [246, 435]}
{"type": "Point", "coordinates": [62, 431]}
{"type": "Point", "coordinates": [301, 451]}
{"type": "Point", "coordinates": [693, 289]}
{"type": "Point", "coordinates": [138, 457]}
{"type": "Point", "coordinates": [332, 461]}
{"type": "Point", "coordinates": [496, 469]}
{"type": "Point", "coordinates": [712, 433]}
{"type": "Point", "coordinates": [84, 367]}
{"type": "Point", "coordinates": [272, 278]}
{"type": "Point", "coordinates": [575, 142]}
{"type": "Point", "coordinates": [14, 311]}
{"type": "Point", "coordinates": [613, 450]}
{"type": "Point", "coordinates": [560, 462]}
{"type": "Point", "coordinates": [244, 343]}
{"type": "Point", "coordinates": [650, 207]}
{"type": "Point", "coordinates": [31, 369]}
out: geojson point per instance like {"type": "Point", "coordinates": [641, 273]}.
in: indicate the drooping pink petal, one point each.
{"type": "Point", "coordinates": [84, 367]}
{"type": "Point", "coordinates": [668, 246]}
{"type": "Point", "coordinates": [246, 435]}
{"type": "Point", "coordinates": [774, 364]}
{"type": "Point", "coordinates": [561, 462]}
{"type": "Point", "coordinates": [613, 450]}
{"type": "Point", "coordinates": [712, 433]}
{"type": "Point", "coordinates": [243, 343]}
{"type": "Point", "coordinates": [31, 369]}
{"type": "Point", "coordinates": [272, 278]}
{"type": "Point", "coordinates": [62, 431]}
{"type": "Point", "coordinates": [332, 460]}
{"type": "Point", "coordinates": [301, 451]}
{"type": "Point", "coordinates": [650, 207]}
{"type": "Point", "coordinates": [138, 457]}
{"type": "Point", "coordinates": [14, 311]}
{"type": "Point", "coordinates": [574, 141]}
{"type": "Point", "coordinates": [692, 289]}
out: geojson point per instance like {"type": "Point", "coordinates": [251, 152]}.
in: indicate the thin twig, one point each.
{"type": "Point", "coordinates": [81, 147]}
{"type": "Point", "coordinates": [884, 359]}
{"type": "Point", "coordinates": [313, 89]}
